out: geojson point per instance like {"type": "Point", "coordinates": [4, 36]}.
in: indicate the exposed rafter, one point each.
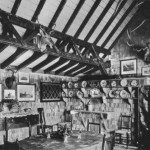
{"type": "Point", "coordinates": [119, 23]}
{"type": "Point", "coordinates": [57, 64]}
{"type": "Point", "coordinates": [109, 22]}
{"type": "Point", "coordinates": [99, 20]}
{"type": "Point", "coordinates": [35, 56]}
{"type": "Point", "coordinates": [49, 59]}
{"type": "Point", "coordinates": [27, 46]}
{"type": "Point", "coordinates": [15, 7]}
{"type": "Point", "coordinates": [56, 34]}
{"type": "Point", "coordinates": [70, 64]}
{"type": "Point", "coordinates": [127, 25]}
{"type": "Point", "coordinates": [57, 13]}
{"type": "Point", "coordinates": [90, 13]}
{"type": "Point", "coordinates": [78, 7]}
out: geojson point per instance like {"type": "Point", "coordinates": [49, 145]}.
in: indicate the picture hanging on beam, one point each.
{"type": "Point", "coordinates": [24, 77]}
{"type": "Point", "coordinates": [26, 92]}
{"type": "Point", "coordinates": [128, 67]}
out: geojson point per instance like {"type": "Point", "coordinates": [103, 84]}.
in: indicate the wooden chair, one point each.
{"type": "Point", "coordinates": [42, 123]}
{"type": "Point", "coordinates": [108, 140]}
{"type": "Point", "coordinates": [10, 145]}
{"type": "Point", "coordinates": [93, 124]}
{"type": "Point", "coordinates": [123, 134]}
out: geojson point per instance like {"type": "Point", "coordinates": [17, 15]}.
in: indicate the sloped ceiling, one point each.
{"type": "Point", "coordinates": [82, 32]}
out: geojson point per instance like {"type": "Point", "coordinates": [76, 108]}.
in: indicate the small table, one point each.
{"type": "Point", "coordinates": [88, 141]}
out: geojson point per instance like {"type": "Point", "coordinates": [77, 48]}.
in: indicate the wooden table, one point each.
{"type": "Point", "coordinates": [88, 141]}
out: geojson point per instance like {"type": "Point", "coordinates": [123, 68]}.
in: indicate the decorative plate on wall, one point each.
{"type": "Point", "coordinates": [84, 84]}
{"type": "Point", "coordinates": [123, 82]}
{"type": "Point", "coordinates": [103, 83]}
{"type": "Point", "coordinates": [113, 83]}
{"type": "Point", "coordinates": [134, 83]}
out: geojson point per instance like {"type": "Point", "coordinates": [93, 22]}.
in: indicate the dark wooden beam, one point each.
{"type": "Point", "coordinates": [49, 59]}
{"type": "Point", "coordinates": [87, 18]}
{"type": "Point", "coordinates": [109, 22]}
{"type": "Point", "coordinates": [35, 56]}
{"type": "Point", "coordinates": [100, 18]}
{"type": "Point", "coordinates": [121, 33]}
{"type": "Point", "coordinates": [119, 23]}
{"type": "Point", "coordinates": [70, 64]}
{"type": "Point", "coordinates": [71, 19]}
{"type": "Point", "coordinates": [57, 13]}
{"type": "Point", "coordinates": [56, 34]}
{"type": "Point", "coordinates": [27, 46]}
{"type": "Point", "coordinates": [29, 34]}
{"type": "Point", "coordinates": [92, 71]}
{"type": "Point", "coordinates": [15, 7]}
{"type": "Point", "coordinates": [38, 10]}
{"type": "Point", "coordinates": [83, 70]}
{"type": "Point", "coordinates": [74, 69]}
{"type": "Point", "coordinates": [2, 47]}
{"type": "Point", "coordinates": [62, 45]}
{"type": "Point", "coordinates": [57, 64]}
{"type": "Point", "coordinates": [12, 58]}
{"type": "Point", "coordinates": [6, 21]}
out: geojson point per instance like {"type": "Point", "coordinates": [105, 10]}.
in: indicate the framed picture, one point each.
{"type": "Point", "coordinates": [128, 67]}
{"type": "Point", "coordinates": [26, 92]}
{"type": "Point", "coordinates": [9, 94]}
{"type": "Point", "coordinates": [23, 77]}
{"type": "Point", "coordinates": [146, 71]}
{"type": "Point", "coordinates": [50, 92]}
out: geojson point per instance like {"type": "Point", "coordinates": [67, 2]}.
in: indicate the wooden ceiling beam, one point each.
{"type": "Point", "coordinates": [74, 14]}
{"type": "Point", "coordinates": [57, 64]}
{"type": "Point", "coordinates": [100, 18]}
{"type": "Point", "coordinates": [119, 23]}
{"type": "Point", "coordinates": [27, 46]}
{"type": "Point", "coordinates": [16, 20]}
{"type": "Point", "coordinates": [12, 58]}
{"type": "Point", "coordinates": [70, 64]}
{"type": "Point", "coordinates": [109, 22]}
{"type": "Point", "coordinates": [57, 13]}
{"type": "Point", "coordinates": [49, 59]}
{"type": "Point", "coordinates": [35, 56]}
{"type": "Point", "coordinates": [15, 7]}
{"type": "Point", "coordinates": [87, 18]}
{"type": "Point", "coordinates": [120, 34]}
{"type": "Point", "coordinates": [82, 70]}
{"type": "Point", "coordinates": [74, 69]}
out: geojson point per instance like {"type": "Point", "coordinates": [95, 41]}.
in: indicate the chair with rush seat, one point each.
{"type": "Point", "coordinates": [123, 134]}
{"type": "Point", "coordinates": [93, 126]}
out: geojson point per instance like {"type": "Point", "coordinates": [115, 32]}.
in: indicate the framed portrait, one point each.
{"type": "Point", "coordinates": [128, 67]}
{"type": "Point", "coordinates": [23, 77]}
{"type": "Point", "coordinates": [26, 92]}
{"type": "Point", "coordinates": [50, 92]}
{"type": "Point", "coordinates": [9, 94]}
{"type": "Point", "coordinates": [146, 71]}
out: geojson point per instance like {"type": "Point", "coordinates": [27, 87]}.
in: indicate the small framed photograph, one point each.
{"type": "Point", "coordinates": [26, 92]}
{"type": "Point", "coordinates": [23, 77]}
{"type": "Point", "coordinates": [146, 71]}
{"type": "Point", "coordinates": [128, 67]}
{"type": "Point", "coordinates": [9, 94]}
